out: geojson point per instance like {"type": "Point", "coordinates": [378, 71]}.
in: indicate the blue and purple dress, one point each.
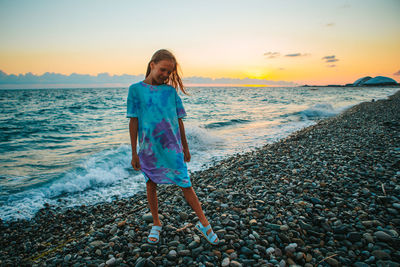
{"type": "Point", "coordinates": [158, 108]}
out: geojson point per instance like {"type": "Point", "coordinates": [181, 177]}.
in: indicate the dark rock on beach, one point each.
{"type": "Point", "coordinates": [328, 195]}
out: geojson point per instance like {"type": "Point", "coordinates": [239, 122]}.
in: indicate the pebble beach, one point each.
{"type": "Point", "coordinates": [327, 195]}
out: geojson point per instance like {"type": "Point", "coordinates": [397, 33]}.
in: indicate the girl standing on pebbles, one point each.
{"type": "Point", "coordinates": [156, 111]}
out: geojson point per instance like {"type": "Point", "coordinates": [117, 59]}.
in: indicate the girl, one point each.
{"type": "Point", "coordinates": [156, 111]}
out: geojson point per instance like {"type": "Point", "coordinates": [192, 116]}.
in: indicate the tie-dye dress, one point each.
{"type": "Point", "coordinates": [158, 108]}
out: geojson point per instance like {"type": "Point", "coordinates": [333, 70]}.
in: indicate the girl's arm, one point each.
{"type": "Point", "coordinates": [133, 131]}
{"type": "Point", "coordinates": [185, 146]}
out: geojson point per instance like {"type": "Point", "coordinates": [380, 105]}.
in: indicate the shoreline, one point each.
{"type": "Point", "coordinates": [329, 188]}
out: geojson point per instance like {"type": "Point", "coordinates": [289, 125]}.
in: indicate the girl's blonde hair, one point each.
{"type": "Point", "coordinates": [174, 79]}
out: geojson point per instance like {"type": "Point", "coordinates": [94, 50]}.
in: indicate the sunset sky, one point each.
{"type": "Point", "coordinates": [305, 42]}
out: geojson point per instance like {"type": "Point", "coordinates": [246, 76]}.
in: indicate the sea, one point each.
{"type": "Point", "coordinates": [71, 147]}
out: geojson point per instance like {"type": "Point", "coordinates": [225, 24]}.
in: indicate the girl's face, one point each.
{"type": "Point", "coordinates": [161, 70]}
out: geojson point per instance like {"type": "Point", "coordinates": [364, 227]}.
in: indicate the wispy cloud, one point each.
{"type": "Point", "coordinates": [330, 24]}
{"type": "Point", "coordinates": [272, 54]}
{"type": "Point", "coordinates": [397, 73]}
{"type": "Point", "coordinates": [297, 55]}
{"type": "Point", "coordinates": [331, 66]}
{"type": "Point", "coordinates": [277, 54]}
{"type": "Point", "coordinates": [330, 59]}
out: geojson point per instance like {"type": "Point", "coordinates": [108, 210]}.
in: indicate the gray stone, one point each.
{"type": "Point", "coordinates": [381, 255]}
{"type": "Point", "coordinates": [270, 250]}
{"type": "Point", "coordinates": [229, 237]}
{"type": "Point", "coordinates": [146, 246]}
{"type": "Point", "coordinates": [284, 227]}
{"type": "Point", "coordinates": [140, 262]}
{"type": "Point", "coordinates": [246, 251]}
{"type": "Point", "coordinates": [111, 261]}
{"type": "Point", "coordinates": [333, 262]}
{"type": "Point", "coordinates": [361, 264]}
{"type": "Point", "coordinates": [305, 226]}
{"type": "Point", "coordinates": [193, 245]}
{"type": "Point", "coordinates": [97, 243]}
{"type": "Point", "coordinates": [172, 255]}
{"type": "Point", "coordinates": [184, 252]}
{"type": "Point", "coordinates": [114, 230]}
{"type": "Point", "coordinates": [184, 216]}
{"type": "Point", "coordinates": [181, 247]}
{"type": "Point", "coordinates": [150, 263]}
{"type": "Point", "coordinates": [149, 218]}
{"type": "Point", "coordinates": [256, 235]}
{"type": "Point", "coordinates": [225, 262]}
{"type": "Point", "coordinates": [291, 247]}
{"type": "Point", "coordinates": [380, 235]}
{"type": "Point", "coordinates": [368, 237]}
{"type": "Point", "coordinates": [354, 236]}
{"type": "Point", "coordinates": [197, 251]}
{"type": "Point", "coordinates": [235, 264]}
{"type": "Point", "coordinates": [67, 257]}
{"type": "Point", "coordinates": [274, 226]}
{"type": "Point", "coordinates": [173, 243]}
{"type": "Point", "coordinates": [315, 200]}
{"type": "Point", "coordinates": [299, 256]}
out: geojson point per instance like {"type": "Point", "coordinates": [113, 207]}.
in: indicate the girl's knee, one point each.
{"type": "Point", "coordinates": [186, 188]}
{"type": "Point", "coordinates": [151, 184]}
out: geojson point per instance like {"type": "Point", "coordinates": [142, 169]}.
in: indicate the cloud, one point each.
{"type": "Point", "coordinates": [397, 73]}
{"type": "Point", "coordinates": [74, 78]}
{"type": "Point", "coordinates": [330, 59]}
{"type": "Point", "coordinates": [277, 54]}
{"type": "Point", "coordinates": [272, 54]}
{"type": "Point", "coordinates": [331, 66]}
{"type": "Point", "coordinates": [56, 80]}
{"type": "Point", "coordinates": [297, 55]}
{"type": "Point", "coordinates": [330, 24]}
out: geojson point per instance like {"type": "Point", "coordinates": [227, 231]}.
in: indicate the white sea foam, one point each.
{"type": "Point", "coordinates": [320, 110]}
{"type": "Point", "coordinates": [99, 177]}
{"type": "Point", "coordinates": [201, 139]}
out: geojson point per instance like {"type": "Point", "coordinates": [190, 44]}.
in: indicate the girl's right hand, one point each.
{"type": "Point", "coordinates": [135, 162]}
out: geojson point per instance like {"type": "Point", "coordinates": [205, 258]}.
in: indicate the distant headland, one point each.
{"type": "Point", "coordinates": [365, 81]}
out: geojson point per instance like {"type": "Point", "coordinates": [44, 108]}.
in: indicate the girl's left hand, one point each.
{"type": "Point", "coordinates": [186, 155]}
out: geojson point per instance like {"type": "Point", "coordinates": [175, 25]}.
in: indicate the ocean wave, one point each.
{"type": "Point", "coordinates": [320, 110]}
{"type": "Point", "coordinates": [313, 112]}
{"type": "Point", "coordinates": [97, 171]}
{"type": "Point", "coordinates": [317, 111]}
{"type": "Point", "coordinates": [200, 139]}
{"type": "Point", "coordinates": [225, 123]}
{"type": "Point", "coordinates": [98, 177]}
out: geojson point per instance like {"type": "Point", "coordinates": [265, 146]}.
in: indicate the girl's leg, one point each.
{"type": "Point", "coordinates": [153, 201]}
{"type": "Point", "coordinates": [194, 202]}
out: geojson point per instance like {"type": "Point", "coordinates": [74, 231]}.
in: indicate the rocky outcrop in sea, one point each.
{"type": "Point", "coordinates": [327, 195]}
